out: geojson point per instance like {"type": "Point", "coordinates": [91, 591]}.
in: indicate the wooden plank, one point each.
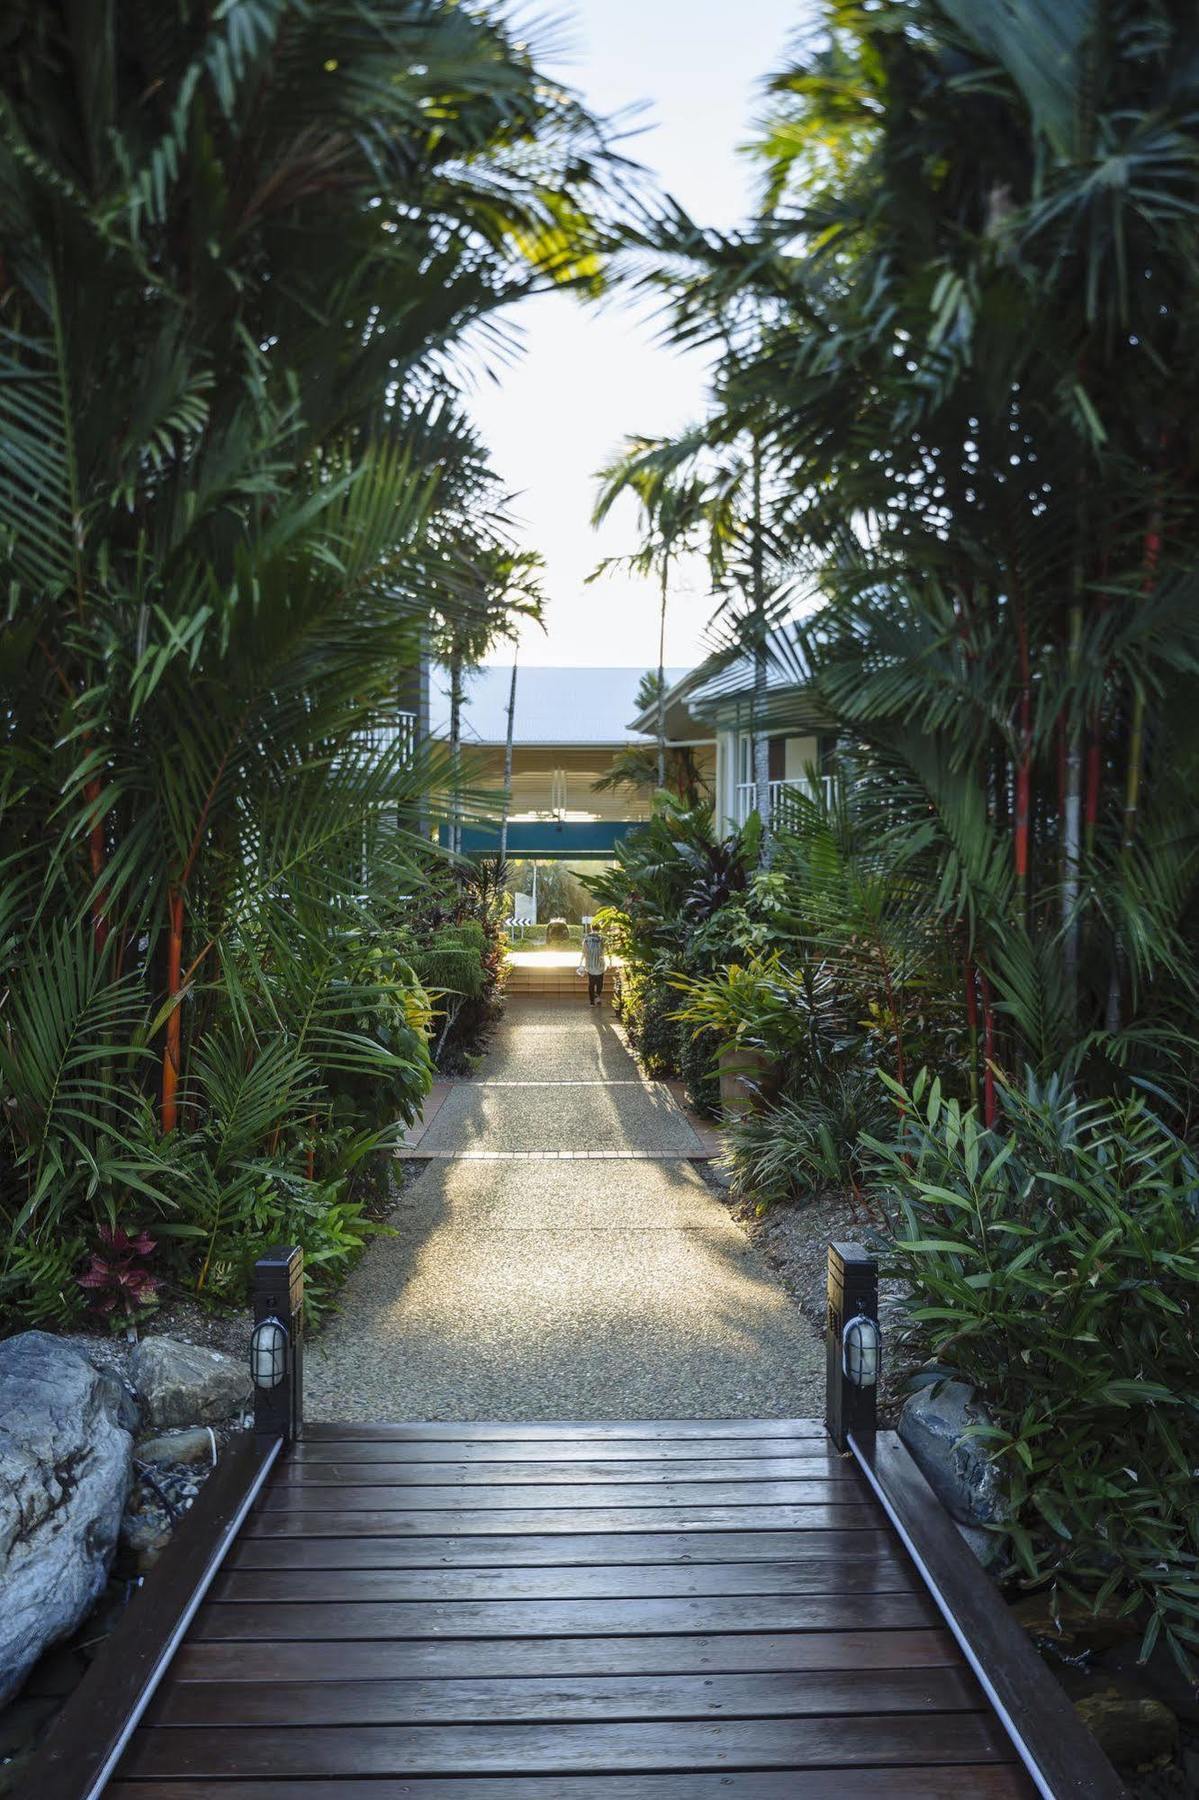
{"type": "Point", "coordinates": [561, 1550]}
{"type": "Point", "coordinates": [542, 1521]}
{"type": "Point", "coordinates": [578, 1698]}
{"type": "Point", "coordinates": [304, 1752]}
{"type": "Point", "coordinates": [639, 1450]}
{"type": "Point", "coordinates": [477, 1431]}
{"type": "Point", "coordinates": [974, 1782]}
{"type": "Point", "coordinates": [346, 1498]}
{"type": "Point", "coordinates": [367, 1620]}
{"type": "Point", "coordinates": [819, 1465]}
{"type": "Point", "coordinates": [88, 1734]}
{"type": "Point", "coordinates": [1062, 1756]}
{"type": "Point", "coordinates": [705, 1653]}
{"type": "Point", "coordinates": [886, 1574]}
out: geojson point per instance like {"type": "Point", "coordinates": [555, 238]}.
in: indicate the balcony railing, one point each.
{"type": "Point", "coordinates": [783, 795]}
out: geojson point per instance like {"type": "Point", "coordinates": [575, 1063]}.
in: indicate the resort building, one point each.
{"type": "Point", "coordinates": [713, 708]}
{"type": "Point", "coordinates": [570, 733]}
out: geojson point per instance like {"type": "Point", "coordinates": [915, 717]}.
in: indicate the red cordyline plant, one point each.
{"type": "Point", "coordinates": [117, 1277]}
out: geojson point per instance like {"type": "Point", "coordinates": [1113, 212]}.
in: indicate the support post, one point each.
{"type": "Point", "coordinates": [279, 1295]}
{"type": "Point", "coordinates": [852, 1293]}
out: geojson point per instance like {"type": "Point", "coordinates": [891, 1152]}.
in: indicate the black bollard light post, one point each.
{"type": "Point", "coordinates": [277, 1344]}
{"type": "Point", "coordinates": [853, 1344]}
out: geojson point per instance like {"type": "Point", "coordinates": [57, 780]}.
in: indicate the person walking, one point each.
{"type": "Point", "coordinates": [594, 962]}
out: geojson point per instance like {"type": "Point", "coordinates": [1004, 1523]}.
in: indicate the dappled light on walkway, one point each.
{"type": "Point", "coordinates": [532, 1277]}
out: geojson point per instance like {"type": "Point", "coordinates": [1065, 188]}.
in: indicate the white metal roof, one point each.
{"type": "Point", "coordinates": [553, 705]}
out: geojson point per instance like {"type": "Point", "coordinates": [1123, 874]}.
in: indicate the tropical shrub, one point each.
{"type": "Point", "coordinates": [806, 1147]}
{"type": "Point", "coordinates": [235, 493]}
{"type": "Point", "coordinates": [39, 1283]}
{"type": "Point", "coordinates": [647, 1013]}
{"type": "Point", "coordinates": [1005, 643]}
{"type": "Point", "coordinates": [675, 900]}
{"type": "Point", "coordinates": [470, 933]}
{"type": "Point", "coordinates": [118, 1281]}
{"type": "Point", "coordinates": [1054, 1265]}
{"type": "Point", "coordinates": [450, 967]}
{"type": "Point", "coordinates": [701, 1077]}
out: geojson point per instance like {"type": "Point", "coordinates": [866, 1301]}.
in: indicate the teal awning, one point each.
{"type": "Point", "coordinates": [547, 840]}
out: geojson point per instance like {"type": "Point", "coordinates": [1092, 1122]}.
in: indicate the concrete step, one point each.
{"type": "Point", "coordinates": [567, 986]}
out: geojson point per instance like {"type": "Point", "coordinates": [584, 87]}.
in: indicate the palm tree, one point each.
{"type": "Point", "coordinates": [984, 418]}
{"type": "Point", "coordinates": [509, 735]}
{"type": "Point", "coordinates": [707, 489]}
{"type": "Point", "coordinates": [227, 511]}
{"type": "Point", "coordinates": [496, 590]}
{"type": "Point", "coordinates": [671, 513]}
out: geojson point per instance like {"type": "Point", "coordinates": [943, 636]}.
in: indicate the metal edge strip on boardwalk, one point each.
{"type": "Point", "coordinates": [1061, 1756]}
{"type": "Point", "coordinates": [90, 1735]}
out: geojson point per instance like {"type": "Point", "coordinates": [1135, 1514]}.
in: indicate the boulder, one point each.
{"type": "Point", "coordinates": [1160, 1676]}
{"type": "Point", "coordinates": [990, 1548]}
{"type": "Point", "coordinates": [192, 1445]}
{"type": "Point", "coordinates": [933, 1424]}
{"type": "Point", "coordinates": [144, 1537]}
{"type": "Point", "coordinates": [64, 1476]}
{"type": "Point", "coordinates": [1074, 1626]}
{"type": "Point", "coordinates": [1132, 1729]}
{"type": "Point", "coordinates": [122, 1399]}
{"type": "Point", "coordinates": [185, 1384]}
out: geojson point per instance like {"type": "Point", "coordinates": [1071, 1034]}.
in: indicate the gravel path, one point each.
{"type": "Point", "coordinates": [562, 1288]}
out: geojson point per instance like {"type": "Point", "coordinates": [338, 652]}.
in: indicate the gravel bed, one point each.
{"type": "Point", "coordinates": [227, 1331]}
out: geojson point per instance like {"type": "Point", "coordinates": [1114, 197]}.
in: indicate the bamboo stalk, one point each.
{"type": "Point", "coordinates": [988, 1011]}
{"type": "Point", "coordinates": [1023, 762]}
{"type": "Point", "coordinates": [662, 677]}
{"type": "Point", "coordinates": [1072, 825]}
{"type": "Point", "coordinates": [972, 1023]}
{"type": "Point", "coordinates": [98, 858]}
{"type": "Point", "coordinates": [171, 1055]}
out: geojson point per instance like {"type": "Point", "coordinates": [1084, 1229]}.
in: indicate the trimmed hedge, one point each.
{"type": "Point", "coordinates": [469, 935]}
{"type": "Point", "coordinates": [697, 1063]}
{"type": "Point", "coordinates": [449, 968]}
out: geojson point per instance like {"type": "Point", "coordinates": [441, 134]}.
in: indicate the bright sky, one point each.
{"type": "Point", "coordinates": [588, 376]}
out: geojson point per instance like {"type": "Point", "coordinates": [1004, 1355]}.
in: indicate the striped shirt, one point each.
{"type": "Point", "coordinates": [593, 953]}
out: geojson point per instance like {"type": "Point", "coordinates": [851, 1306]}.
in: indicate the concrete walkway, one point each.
{"type": "Point", "coordinates": [562, 1258]}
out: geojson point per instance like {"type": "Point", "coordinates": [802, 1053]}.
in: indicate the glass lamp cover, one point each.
{"type": "Point", "coordinates": [268, 1354]}
{"type": "Point", "coordinates": [860, 1345]}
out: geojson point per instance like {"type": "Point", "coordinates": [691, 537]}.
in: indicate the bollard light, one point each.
{"type": "Point", "coordinates": [268, 1354]}
{"type": "Point", "coordinates": [860, 1342]}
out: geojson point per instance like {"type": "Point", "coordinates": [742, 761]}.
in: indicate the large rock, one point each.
{"type": "Point", "coordinates": [196, 1444]}
{"type": "Point", "coordinates": [185, 1384]}
{"type": "Point", "coordinates": [933, 1424]}
{"type": "Point", "coordinates": [64, 1477]}
{"type": "Point", "coordinates": [1133, 1729]}
{"type": "Point", "coordinates": [1075, 1626]}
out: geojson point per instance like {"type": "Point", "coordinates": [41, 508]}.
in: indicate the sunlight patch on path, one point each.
{"type": "Point", "coordinates": [538, 1289]}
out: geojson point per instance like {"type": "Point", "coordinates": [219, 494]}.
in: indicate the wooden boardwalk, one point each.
{"type": "Point", "coordinates": [687, 1609]}
{"type": "Point", "coordinates": [666, 1611]}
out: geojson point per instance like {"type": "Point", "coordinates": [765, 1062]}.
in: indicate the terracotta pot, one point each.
{"type": "Point", "coordinates": [747, 1077]}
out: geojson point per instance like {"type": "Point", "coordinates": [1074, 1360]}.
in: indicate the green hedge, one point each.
{"type": "Point", "coordinates": [470, 936]}
{"type": "Point", "coordinates": [450, 969]}
{"type": "Point", "coordinates": [697, 1063]}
